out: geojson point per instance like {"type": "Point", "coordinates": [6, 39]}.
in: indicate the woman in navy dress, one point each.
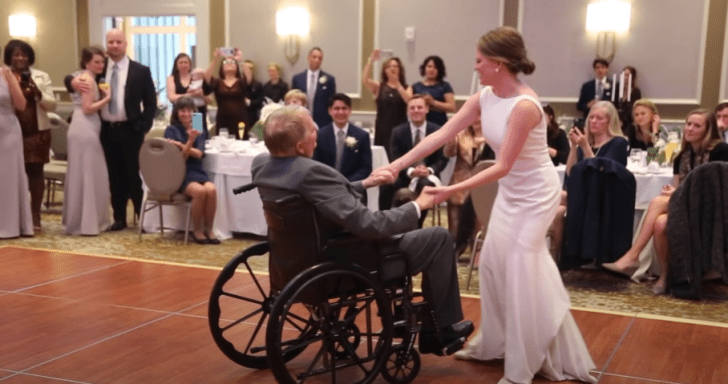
{"type": "Point", "coordinates": [438, 93]}
{"type": "Point", "coordinates": [197, 184]}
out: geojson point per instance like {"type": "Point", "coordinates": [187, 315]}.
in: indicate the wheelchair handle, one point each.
{"type": "Point", "coordinates": [243, 188]}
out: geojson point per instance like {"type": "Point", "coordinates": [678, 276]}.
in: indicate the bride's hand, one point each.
{"type": "Point", "coordinates": [439, 194]}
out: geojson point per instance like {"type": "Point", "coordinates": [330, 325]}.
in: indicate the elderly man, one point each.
{"type": "Point", "coordinates": [318, 86]}
{"type": "Point", "coordinates": [290, 135]}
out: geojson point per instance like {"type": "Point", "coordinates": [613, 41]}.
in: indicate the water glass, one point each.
{"type": "Point", "coordinates": [253, 138]}
{"type": "Point", "coordinates": [223, 132]}
{"type": "Point", "coordinates": [635, 154]}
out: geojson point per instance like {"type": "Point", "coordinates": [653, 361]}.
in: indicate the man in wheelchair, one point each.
{"type": "Point", "coordinates": [291, 136]}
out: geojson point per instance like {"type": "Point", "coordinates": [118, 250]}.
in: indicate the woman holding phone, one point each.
{"type": "Point", "coordinates": [86, 196]}
{"type": "Point", "coordinates": [197, 184]}
{"type": "Point", "coordinates": [231, 87]}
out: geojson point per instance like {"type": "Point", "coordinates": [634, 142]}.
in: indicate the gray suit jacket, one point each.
{"type": "Point", "coordinates": [333, 196]}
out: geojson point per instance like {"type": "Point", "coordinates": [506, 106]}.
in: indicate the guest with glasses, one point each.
{"type": "Point", "coordinates": [230, 88]}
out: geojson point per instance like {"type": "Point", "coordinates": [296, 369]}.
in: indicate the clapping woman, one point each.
{"type": "Point", "coordinates": [14, 202]}
{"type": "Point", "coordinates": [86, 195]}
{"type": "Point", "coordinates": [438, 92]}
{"type": "Point", "coordinates": [197, 184]}
{"type": "Point", "coordinates": [392, 95]}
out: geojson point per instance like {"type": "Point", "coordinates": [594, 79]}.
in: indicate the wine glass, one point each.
{"type": "Point", "coordinates": [224, 133]}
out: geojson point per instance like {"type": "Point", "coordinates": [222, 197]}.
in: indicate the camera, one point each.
{"type": "Point", "coordinates": [25, 76]}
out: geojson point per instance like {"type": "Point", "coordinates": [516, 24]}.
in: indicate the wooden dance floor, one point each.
{"type": "Point", "coordinates": [69, 318]}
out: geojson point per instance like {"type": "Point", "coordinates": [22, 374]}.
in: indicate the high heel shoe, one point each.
{"type": "Point", "coordinates": [629, 271]}
{"type": "Point", "coordinates": [202, 241]}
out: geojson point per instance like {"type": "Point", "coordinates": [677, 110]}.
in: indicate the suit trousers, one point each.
{"type": "Point", "coordinates": [431, 251]}
{"type": "Point", "coordinates": [121, 143]}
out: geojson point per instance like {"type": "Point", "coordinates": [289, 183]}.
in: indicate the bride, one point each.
{"type": "Point", "coordinates": [525, 307]}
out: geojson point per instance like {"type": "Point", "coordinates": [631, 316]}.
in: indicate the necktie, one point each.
{"type": "Point", "coordinates": [418, 137]}
{"type": "Point", "coordinates": [600, 90]}
{"type": "Point", "coordinates": [114, 83]}
{"type": "Point", "coordinates": [340, 142]}
{"type": "Point", "coordinates": [311, 91]}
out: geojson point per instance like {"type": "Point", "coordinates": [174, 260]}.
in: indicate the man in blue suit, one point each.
{"type": "Point", "coordinates": [343, 146]}
{"type": "Point", "coordinates": [318, 85]}
{"type": "Point", "coordinates": [599, 88]}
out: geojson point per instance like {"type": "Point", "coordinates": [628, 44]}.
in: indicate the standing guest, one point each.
{"type": "Point", "coordinates": [721, 113]}
{"type": "Point", "coordinates": [525, 308]}
{"type": "Point", "coordinates": [646, 127]}
{"type": "Point", "coordinates": [466, 147]}
{"type": "Point", "coordinates": [412, 180]}
{"type": "Point", "coordinates": [392, 95]}
{"type": "Point", "coordinates": [14, 201]}
{"type": "Point", "coordinates": [701, 143]}
{"type": "Point", "coordinates": [625, 103]}
{"type": "Point", "coordinates": [600, 88]}
{"type": "Point", "coordinates": [196, 184]}
{"type": "Point", "coordinates": [555, 137]}
{"type": "Point", "coordinates": [86, 194]}
{"type": "Point", "coordinates": [231, 89]}
{"type": "Point", "coordinates": [344, 146]}
{"type": "Point", "coordinates": [275, 89]}
{"type": "Point", "coordinates": [34, 122]}
{"type": "Point", "coordinates": [124, 122]}
{"type": "Point", "coordinates": [296, 97]}
{"type": "Point", "coordinates": [254, 100]}
{"type": "Point", "coordinates": [318, 86]}
{"type": "Point", "coordinates": [438, 93]}
{"type": "Point", "coordinates": [185, 82]}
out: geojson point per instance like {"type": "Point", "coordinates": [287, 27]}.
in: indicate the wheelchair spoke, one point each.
{"type": "Point", "coordinates": [242, 298]}
{"type": "Point", "coordinates": [300, 343]}
{"type": "Point", "coordinates": [352, 353]}
{"type": "Point", "coordinates": [307, 322]}
{"type": "Point", "coordinates": [310, 369]}
{"type": "Point", "coordinates": [236, 322]}
{"type": "Point", "coordinates": [255, 279]}
{"type": "Point", "coordinates": [255, 332]}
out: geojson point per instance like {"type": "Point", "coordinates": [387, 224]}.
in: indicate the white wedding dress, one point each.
{"type": "Point", "coordinates": [525, 307]}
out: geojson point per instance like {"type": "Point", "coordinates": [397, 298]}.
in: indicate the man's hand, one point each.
{"type": "Point", "coordinates": [81, 83]}
{"type": "Point", "coordinates": [420, 171]}
{"type": "Point", "coordinates": [389, 170]}
{"type": "Point", "coordinates": [431, 196]}
{"type": "Point", "coordinates": [377, 178]}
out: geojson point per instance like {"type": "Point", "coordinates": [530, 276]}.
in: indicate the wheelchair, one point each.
{"type": "Point", "coordinates": [324, 313]}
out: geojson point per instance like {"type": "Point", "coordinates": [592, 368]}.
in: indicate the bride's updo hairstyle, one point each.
{"type": "Point", "coordinates": [505, 44]}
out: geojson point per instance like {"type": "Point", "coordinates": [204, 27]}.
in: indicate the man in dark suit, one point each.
{"type": "Point", "coordinates": [291, 137]}
{"type": "Point", "coordinates": [124, 121]}
{"type": "Point", "coordinates": [343, 146]}
{"type": "Point", "coordinates": [599, 88]}
{"type": "Point", "coordinates": [404, 138]}
{"type": "Point", "coordinates": [318, 85]}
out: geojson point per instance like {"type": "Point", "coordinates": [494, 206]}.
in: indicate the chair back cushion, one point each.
{"type": "Point", "coordinates": [59, 132]}
{"type": "Point", "coordinates": [483, 196]}
{"type": "Point", "coordinates": [162, 166]}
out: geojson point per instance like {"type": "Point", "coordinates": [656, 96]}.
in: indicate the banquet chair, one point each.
{"type": "Point", "coordinates": [163, 170]}
{"type": "Point", "coordinates": [483, 198]}
{"type": "Point", "coordinates": [54, 172]}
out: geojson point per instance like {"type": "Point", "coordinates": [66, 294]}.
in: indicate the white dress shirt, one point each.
{"type": "Point", "coordinates": [118, 95]}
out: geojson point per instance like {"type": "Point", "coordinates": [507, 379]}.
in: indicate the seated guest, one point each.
{"type": "Point", "coordinates": [602, 137]}
{"type": "Point", "coordinates": [625, 104]}
{"type": "Point", "coordinates": [556, 138]}
{"type": "Point", "coordinates": [197, 184]}
{"type": "Point", "coordinates": [721, 114]}
{"type": "Point", "coordinates": [290, 136]}
{"type": "Point", "coordinates": [344, 146]}
{"type": "Point", "coordinates": [600, 88]}
{"type": "Point", "coordinates": [646, 128]}
{"type": "Point", "coordinates": [466, 148]}
{"type": "Point", "coordinates": [701, 143]}
{"type": "Point", "coordinates": [275, 89]}
{"type": "Point", "coordinates": [404, 137]}
{"type": "Point", "coordinates": [296, 97]}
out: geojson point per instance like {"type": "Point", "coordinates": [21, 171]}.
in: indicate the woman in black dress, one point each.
{"type": "Point", "coordinates": [231, 89]}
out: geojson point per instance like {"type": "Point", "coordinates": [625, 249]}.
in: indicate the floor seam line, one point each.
{"type": "Point", "coordinates": [616, 348]}
{"type": "Point", "coordinates": [69, 277]}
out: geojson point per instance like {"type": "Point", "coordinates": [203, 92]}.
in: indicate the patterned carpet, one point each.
{"type": "Point", "coordinates": [591, 289]}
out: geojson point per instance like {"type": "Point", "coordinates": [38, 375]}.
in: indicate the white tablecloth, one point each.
{"type": "Point", "coordinates": [649, 184]}
{"type": "Point", "coordinates": [241, 213]}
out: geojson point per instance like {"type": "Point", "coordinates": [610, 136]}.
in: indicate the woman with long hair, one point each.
{"type": "Point", "coordinates": [525, 313]}
{"type": "Point", "coordinates": [183, 82]}
{"type": "Point", "coordinates": [392, 95]}
{"type": "Point", "coordinates": [555, 137]}
{"type": "Point", "coordinates": [701, 143]}
{"type": "Point", "coordinates": [231, 89]}
{"type": "Point", "coordinates": [645, 128]}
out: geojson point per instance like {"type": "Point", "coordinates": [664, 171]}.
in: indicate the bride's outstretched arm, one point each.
{"type": "Point", "coordinates": [525, 116]}
{"type": "Point", "coordinates": [463, 118]}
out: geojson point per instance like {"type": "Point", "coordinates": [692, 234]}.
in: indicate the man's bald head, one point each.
{"type": "Point", "coordinates": [116, 44]}
{"type": "Point", "coordinates": [285, 129]}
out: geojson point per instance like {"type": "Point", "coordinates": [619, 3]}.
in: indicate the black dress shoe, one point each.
{"type": "Point", "coordinates": [203, 240]}
{"type": "Point", "coordinates": [213, 240]}
{"type": "Point", "coordinates": [118, 225]}
{"type": "Point", "coordinates": [453, 339]}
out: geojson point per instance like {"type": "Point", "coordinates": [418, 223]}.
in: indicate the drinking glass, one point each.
{"type": "Point", "coordinates": [635, 154]}
{"type": "Point", "coordinates": [223, 132]}
{"type": "Point", "coordinates": [253, 138]}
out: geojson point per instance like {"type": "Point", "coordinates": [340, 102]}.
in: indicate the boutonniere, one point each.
{"type": "Point", "coordinates": [351, 142]}
{"type": "Point", "coordinates": [323, 79]}
{"type": "Point", "coordinates": [607, 85]}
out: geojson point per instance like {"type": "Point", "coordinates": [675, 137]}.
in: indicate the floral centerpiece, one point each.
{"type": "Point", "coordinates": [664, 151]}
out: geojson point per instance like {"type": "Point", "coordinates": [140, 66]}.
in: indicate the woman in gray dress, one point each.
{"type": "Point", "coordinates": [14, 200]}
{"type": "Point", "coordinates": [86, 197]}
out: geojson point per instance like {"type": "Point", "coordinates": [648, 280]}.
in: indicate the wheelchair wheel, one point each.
{"type": "Point", "coordinates": [402, 366]}
{"type": "Point", "coordinates": [239, 309]}
{"type": "Point", "coordinates": [350, 326]}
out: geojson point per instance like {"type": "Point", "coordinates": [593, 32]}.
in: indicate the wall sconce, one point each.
{"type": "Point", "coordinates": [293, 23]}
{"type": "Point", "coordinates": [22, 25]}
{"type": "Point", "coordinates": [607, 18]}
